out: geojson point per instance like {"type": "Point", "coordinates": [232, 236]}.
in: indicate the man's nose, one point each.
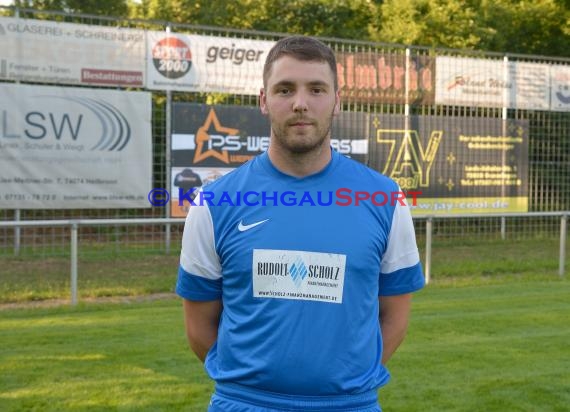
{"type": "Point", "coordinates": [300, 103]}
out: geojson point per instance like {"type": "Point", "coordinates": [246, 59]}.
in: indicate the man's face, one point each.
{"type": "Point", "coordinates": [300, 101]}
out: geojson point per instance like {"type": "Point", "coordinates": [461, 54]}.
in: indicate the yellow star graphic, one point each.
{"type": "Point", "coordinates": [376, 122]}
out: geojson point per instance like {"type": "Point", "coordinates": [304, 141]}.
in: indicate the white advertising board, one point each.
{"type": "Point", "coordinates": [492, 83]}
{"type": "Point", "coordinates": [560, 92]}
{"type": "Point", "coordinates": [71, 148]}
{"type": "Point", "coordinates": [205, 63]}
{"type": "Point", "coordinates": [67, 53]}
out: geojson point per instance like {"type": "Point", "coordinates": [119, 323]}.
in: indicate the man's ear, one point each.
{"type": "Point", "coordinates": [336, 110]}
{"type": "Point", "coordinates": [263, 101]}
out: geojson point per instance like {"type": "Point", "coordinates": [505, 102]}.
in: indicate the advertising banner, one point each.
{"type": "Point", "coordinates": [455, 165]}
{"type": "Point", "coordinates": [560, 92]}
{"type": "Point", "coordinates": [381, 78]}
{"type": "Point", "coordinates": [52, 52]}
{"type": "Point", "coordinates": [492, 83]}
{"type": "Point", "coordinates": [205, 63]}
{"type": "Point", "coordinates": [529, 86]}
{"type": "Point", "coordinates": [470, 82]}
{"type": "Point", "coordinates": [210, 141]}
{"type": "Point", "coordinates": [74, 148]}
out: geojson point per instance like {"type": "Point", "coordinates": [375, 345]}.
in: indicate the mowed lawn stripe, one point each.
{"type": "Point", "coordinates": [486, 347]}
{"type": "Point", "coordinates": [492, 347]}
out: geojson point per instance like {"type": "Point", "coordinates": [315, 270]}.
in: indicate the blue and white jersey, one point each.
{"type": "Point", "coordinates": [299, 267]}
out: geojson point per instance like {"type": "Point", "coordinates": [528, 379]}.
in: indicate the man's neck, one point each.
{"type": "Point", "coordinates": [300, 164]}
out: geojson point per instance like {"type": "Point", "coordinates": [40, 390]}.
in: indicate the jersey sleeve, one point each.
{"type": "Point", "coordinates": [400, 268]}
{"type": "Point", "coordinates": [200, 271]}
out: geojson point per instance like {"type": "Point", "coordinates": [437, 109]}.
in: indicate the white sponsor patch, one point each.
{"type": "Point", "coordinates": [292, 274]}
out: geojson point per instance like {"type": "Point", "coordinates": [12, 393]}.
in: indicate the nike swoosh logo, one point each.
{"type": "Point", "coordinates": [243, 228]}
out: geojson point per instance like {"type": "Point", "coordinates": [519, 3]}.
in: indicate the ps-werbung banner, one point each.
{"type": "Point", "coordinates": [205, 63]}
{"type": "Point", "coordinates": [74, 148]}
{"type": "Point", "coordinates": [66, 53]}
{"type": "Point", "coordinates": [211, 141]}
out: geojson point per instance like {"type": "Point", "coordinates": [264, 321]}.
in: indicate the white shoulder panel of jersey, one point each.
{"type": "Point", "coordinates": [198, 255]}
{"type": "Point", "coordinates": [402, 251]}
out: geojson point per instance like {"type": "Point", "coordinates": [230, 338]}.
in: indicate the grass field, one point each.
{"type": "Point", "coordinates": [136, 272]}
{"type": "Point", "coordinates": [131, 274]}
{"type": "Point", "coordinates": [490, 333]}
{"type": "Point", "coordinates": [490, 347]}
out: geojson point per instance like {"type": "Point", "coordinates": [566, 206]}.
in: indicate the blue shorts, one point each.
{"type": "Point", "coordinates": [221, 404]}
{"type": "Point", "coordinates": [233, 399]}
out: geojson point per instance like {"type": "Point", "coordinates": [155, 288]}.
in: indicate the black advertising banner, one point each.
{"type": "Point", "coordinates": [210, 141]}
{"type": "Point", "coordinates": [381, 78]}
{"type": "Point", "coordinates": [454, 165]}
{"type": "Point", "coordinates": [217, 136]}
{"type": "Point", "coordinates": [350, 135]}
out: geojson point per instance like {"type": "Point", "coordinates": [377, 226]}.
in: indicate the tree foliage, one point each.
{"type": "Point", "coordinates": [429, 23]}
{"type": "Point", "coordinates": [536, 27]}
{"type": "Point", "coordinates": [515, 26]}
{"type": "Point", "coordinates": [101, 7]}
{"type": "Point", "coordinates": [327, 18]}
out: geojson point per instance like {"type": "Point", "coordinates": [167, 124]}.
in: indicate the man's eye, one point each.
{"type": "Point", "coordinates": [283, 91]}
{"type": "Point", "coordinates": [318, 90]}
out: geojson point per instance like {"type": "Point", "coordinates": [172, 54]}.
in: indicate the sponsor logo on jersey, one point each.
{"type": "Point", "coordinates": [301, 275]}
{"type": "Point", "coordinates": [243, 227]}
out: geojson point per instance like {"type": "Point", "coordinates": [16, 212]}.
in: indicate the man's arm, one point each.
{"type": "Point", "coordinates": [202, 320]}
{"type": "Point", "coordinates": [394, 315]}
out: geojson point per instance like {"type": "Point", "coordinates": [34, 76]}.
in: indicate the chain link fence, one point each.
{"type": "Point", "coordinates": [405, 95]}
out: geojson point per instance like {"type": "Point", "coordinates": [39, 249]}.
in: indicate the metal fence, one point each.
{"type": "Point", "coordinates": [548, 168]}
{"type": "Point", "coordinates": [73, 240]}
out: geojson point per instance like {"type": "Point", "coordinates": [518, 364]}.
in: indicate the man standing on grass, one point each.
{"type": "Point", "coordinates": [293, 300]}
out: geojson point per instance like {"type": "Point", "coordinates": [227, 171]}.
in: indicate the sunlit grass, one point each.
{"type": "Point", "coordinates": [135, 271]}
{"type": "Point", "coordinates": [492, 347]}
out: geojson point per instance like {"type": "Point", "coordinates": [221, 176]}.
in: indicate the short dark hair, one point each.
{"type": "Point", "coordinates": [301, 48]}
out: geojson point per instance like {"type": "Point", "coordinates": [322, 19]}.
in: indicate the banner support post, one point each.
{"type": "Point", "coordinates": [429, 231]}
{"type": "Point", "coordinates": [17, 233]}
{"type": "Point", "coordinates": [563, 231]}
{"type": "Point", "coordinates": [168, 160]}
{"type": "Point", "coordinates": [74, 251]}
{"type": "Point", "coordinates": [504, 119]}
